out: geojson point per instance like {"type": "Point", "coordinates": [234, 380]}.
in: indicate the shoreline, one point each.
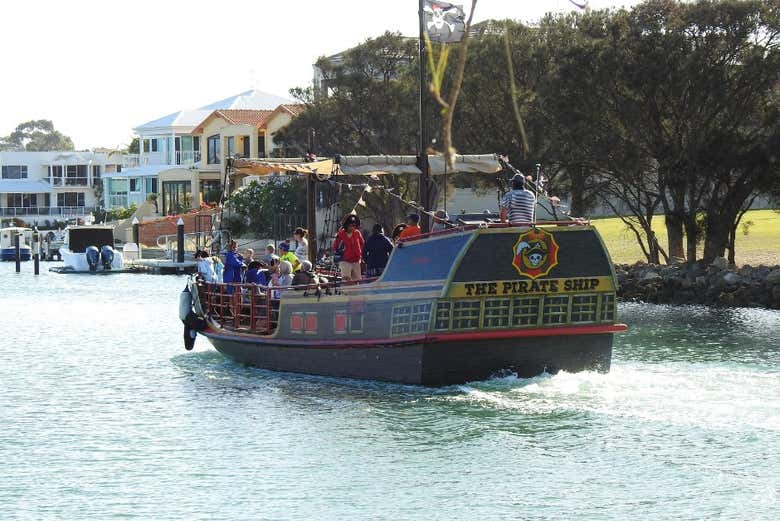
{"type": "Point", "coordinates": [718, 284]}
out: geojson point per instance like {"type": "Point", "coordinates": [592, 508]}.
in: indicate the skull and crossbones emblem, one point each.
{"type": "Point", "coordinates": [439, 16]}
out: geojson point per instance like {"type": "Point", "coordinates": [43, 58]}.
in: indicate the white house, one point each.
{"type": "Point", "coordinates": [167, 145]}
{"type": "Point", "coordinates": [44, 186]}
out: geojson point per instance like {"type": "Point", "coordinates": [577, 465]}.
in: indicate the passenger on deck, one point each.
{"type": "Point", "coordinates": [281, 278]}
{"type": "Point", "coordinates": [518, 203]}
{"type": "Point", "coordinates": [412, 227]}
{"type": "Point", "coordinates": [253, 273]}
{"type": "Point", "coordinates": [234, 263]}
{"type": "Point", "coordinates": [350, 242]}
{"type": "Point", "coordinates": [270, 253]}
{"type": "Point", "coordinates": [206, 266]}
{"type": "Point", "coordinates": [439, 224]}
{"type": "Point", "coordinates": [305, 276]}
{"type": "Point", "coordinates": [219, 268]}
{"type": "Point", "coordinates": [397, 231]}
{"type": "Point", "coordinates": [249, 256]}
{"type": "Point", "coordinates": [302, 251]}
{"type": "Point", "coordinates": [378, 250]}
{"type": "Point", "coordinates": [287, 255]}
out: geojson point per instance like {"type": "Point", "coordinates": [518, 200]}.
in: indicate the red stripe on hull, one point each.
{"type": "Point", "coordinates": [430, 338]}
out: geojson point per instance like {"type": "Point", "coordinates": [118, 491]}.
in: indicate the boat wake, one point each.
{"type": "Point", "coordinates": [715, 396]}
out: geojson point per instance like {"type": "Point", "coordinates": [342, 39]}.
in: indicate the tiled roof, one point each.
{"type": "Point", "coordinates": [245, 117]}
{"type": "Point", "coordinates": [294, 108]}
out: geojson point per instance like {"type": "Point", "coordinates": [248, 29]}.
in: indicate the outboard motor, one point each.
{"type": "Point", "coordinates": [93, 257]}
{"type": "Point", "coordinates": [106, 257]}
{"type": "Point", "coordinates": [192, 322]}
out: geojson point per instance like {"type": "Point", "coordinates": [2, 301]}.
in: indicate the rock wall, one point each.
{"type": "Point", "coordinates": [714, 285]}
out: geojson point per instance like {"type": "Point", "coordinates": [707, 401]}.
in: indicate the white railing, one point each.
{"type": "Point", "coordinates": [187, 157]}
{"type": "Point", "coordinates": [192, 242]}
{"type": "Point", "coordinates": [56, 211]}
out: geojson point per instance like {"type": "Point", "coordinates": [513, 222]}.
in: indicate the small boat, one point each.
{"type": "Point", "coordinates": [90, 249]}
{"type": "Point", "coordinates": [8, 245]}
{"type": "Point", "coordinates": [451, 307]}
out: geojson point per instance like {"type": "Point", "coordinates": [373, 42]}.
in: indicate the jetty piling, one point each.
{"type": "Point", "coordinates": [136, 234]}
{"type": "Point", "coordinates": [17, 252]}
{"type": "Point", "coordinates": [36, 251]}
{"type": "Point", "coordinates": [180, 240]}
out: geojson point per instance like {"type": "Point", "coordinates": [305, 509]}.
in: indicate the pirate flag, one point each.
{"type": "Point", "coordinates": [444, 23]}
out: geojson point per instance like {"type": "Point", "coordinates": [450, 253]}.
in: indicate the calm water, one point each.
{"type": "Point", "coordinates": [103, 415]}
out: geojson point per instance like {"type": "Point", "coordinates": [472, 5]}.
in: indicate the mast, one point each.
{"type": "Point", "coordinates": [311, 206]}
{"type": "Point", "coordinates": [422, 155]}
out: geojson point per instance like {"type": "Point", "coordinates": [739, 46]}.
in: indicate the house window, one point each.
{"type": "Point", "coordinates": [96, 171]}
{"type": "Point", "coordinates": [150, 144]}
{"type": "Point", "coordinates": [230, 146]}
{"type": "Point", "coordinates": [15, 172]}
{"type": "Point", "coordinates": [151, 185]}
{"type": "Point", "coordinates": [176, 196]}
{"type": "Point", "coordinates": [135, 184]}
{"type": "Point", "coordinates": [70, 199]}
{"type": "Point", "coordinates": [22, 200]}
{"type": "Point", "coordinates": [196, 143]}
{"type": "Point", "coordinates": [261, 145]}
{"type": "Point", "coordinates": [76, 175]}
{"type": "Point", "coordinates": [55, 172]}
{"type": "Point", "coordinates": [247, 150]}
{"type": "Point", "coordinates": [213, 150]}
{"type": "Point", "coordinates": [210, 191]}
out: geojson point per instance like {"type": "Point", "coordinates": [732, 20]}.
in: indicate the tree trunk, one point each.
{"type": "Point", "coordinates": [718, 234]}
{"type": "Point", "coordinates": [691, 237]}
{"type": "Point", "coordinates": [577, 207]}
{"type": "Point", "coordinates": [674, 232]}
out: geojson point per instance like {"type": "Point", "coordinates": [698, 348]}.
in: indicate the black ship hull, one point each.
{"type": "Point", "coordinates": [424, 362]}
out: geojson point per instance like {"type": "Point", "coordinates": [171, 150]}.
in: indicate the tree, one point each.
{"type": "Point", "coordinates": [260, 204]}
{"type": "Point", "coordinates": [36, 136]}
{"type": "Point", "coordinates": [134, 146]}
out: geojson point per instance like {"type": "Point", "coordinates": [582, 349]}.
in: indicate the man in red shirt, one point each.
{"type": "Point", "coordinates": [412, 227]}
{"type": "Point", "coordinates": [350, 241]}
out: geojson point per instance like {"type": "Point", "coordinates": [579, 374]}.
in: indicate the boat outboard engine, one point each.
{"type": "Point", "coordinates": [192, 322]}
{"type": "Point", "coordinates": [106, 257]}
{"type": "Point", "coordinates": [93, 257]}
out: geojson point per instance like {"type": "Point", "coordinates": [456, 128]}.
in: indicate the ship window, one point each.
{"type": "Point", "coordinates": [556, 309]}
{"type": "Point", "coordinates": [421, 316]}
{"type": "Point", "coordinates": [402, 315]}
{"type": "Point", "coordinates": [296, 323]}
{"type": "Point", "coordinates": [583, 308]}
{"type": "Point", "coordinates": [496, 313]}
{"type": "Point", "coordinates": [608, 307]}
{"type": "Point", "coordinates": [465, 314]}
{"type": "Point", "coordinates": [310, 322]}
{"type": "Point", "coordinates": [356, 322]}
{"type": "Point", "coordinates": [443, 314]}
{"type": "Point", "coordinates": [340, 323]}
{"type": "Point", "coordinates": [525, 311]}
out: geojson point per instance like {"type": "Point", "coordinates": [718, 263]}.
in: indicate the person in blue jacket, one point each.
{"type": "Point", "coordinates": [376, 252]}
{"type": "Point", "coordinates": [234, 264]}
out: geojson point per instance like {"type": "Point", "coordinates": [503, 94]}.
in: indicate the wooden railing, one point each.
{"type": "Point", "coordinates": [255, 308]}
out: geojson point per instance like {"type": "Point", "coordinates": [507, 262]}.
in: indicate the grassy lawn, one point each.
{"type": "Point", "coordinates": [760, 246]}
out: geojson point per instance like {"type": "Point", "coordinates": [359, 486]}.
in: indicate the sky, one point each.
{"type": "Point", "coordinates": [100, 68]}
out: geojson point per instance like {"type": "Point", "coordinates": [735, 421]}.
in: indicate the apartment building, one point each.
{"type": "Point", "coordinates": [46, 186]}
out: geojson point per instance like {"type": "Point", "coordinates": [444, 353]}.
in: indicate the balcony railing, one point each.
{"type": "Point", "coordinates": [182, 157]}
{"type": "Point", "coordinates": [187, 157]}
{"type": "Point", "coordinates": [56, 211]}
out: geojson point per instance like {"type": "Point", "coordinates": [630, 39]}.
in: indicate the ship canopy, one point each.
{"type": "Point", "coordinates": [367, 165]}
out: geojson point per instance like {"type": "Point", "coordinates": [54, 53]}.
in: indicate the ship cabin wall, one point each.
{"type": "Point", "coordinates": [467, 282]}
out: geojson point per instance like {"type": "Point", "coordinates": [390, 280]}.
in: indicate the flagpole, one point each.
{"type": "Point", "coordinates": [422, 158]}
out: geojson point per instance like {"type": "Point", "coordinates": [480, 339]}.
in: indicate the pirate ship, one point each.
{"type": "Point", "coordinates": [451, 306]}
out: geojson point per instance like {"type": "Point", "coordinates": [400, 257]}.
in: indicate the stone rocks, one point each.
{"type": "Point", "coordinates": [774, 276]}
{"type": "Point", "coordinates": [714, 285]}
{"type": "Point", "coordinates": [720, 263]}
